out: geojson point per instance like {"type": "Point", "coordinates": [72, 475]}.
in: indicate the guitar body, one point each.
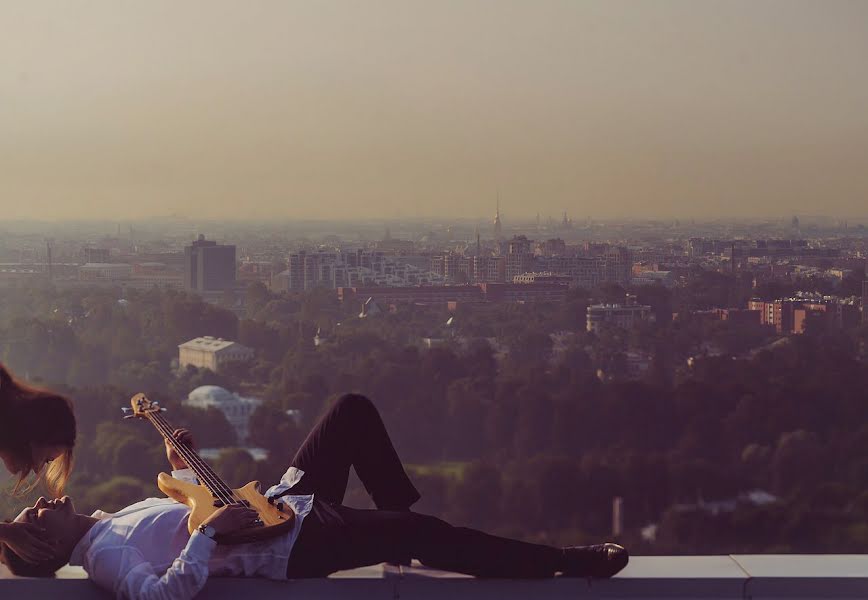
{"type": "Point", "coordinates": [201, 503]}
{"type": "Point", "coordinates": [274, 519]}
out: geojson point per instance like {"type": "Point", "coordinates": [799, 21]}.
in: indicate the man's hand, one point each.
{"type": "Point", "coordinates": [232, 518]}
{"type": "Point", "coordinates": [185, 437]}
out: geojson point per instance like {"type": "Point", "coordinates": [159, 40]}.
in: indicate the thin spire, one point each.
{"type": "Point", "coordinates": [497, 224]}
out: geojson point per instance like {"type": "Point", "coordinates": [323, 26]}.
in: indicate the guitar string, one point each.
{"type": "Point", "coordinates": [187, 455]}
{"type": "Point", "coordinates": [165, 428]}
{"type": "Point", "coordinates": [218, 488]}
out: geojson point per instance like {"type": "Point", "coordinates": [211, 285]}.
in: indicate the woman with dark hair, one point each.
{"type": "Point", "coordinates": [37, 435]}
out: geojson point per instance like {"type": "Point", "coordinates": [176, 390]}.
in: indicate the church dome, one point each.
{"type": "Point", "coordinates": [211, 394]}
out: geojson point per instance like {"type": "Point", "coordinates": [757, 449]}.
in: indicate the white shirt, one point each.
{"type": "Point", "coordinates": [145, 551]}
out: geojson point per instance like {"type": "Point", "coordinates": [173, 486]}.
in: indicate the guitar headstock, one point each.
{"type": "Point", "coordinates": [141, 407]}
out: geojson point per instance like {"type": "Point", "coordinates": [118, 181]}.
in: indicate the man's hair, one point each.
{"type": "Point", "coordinates": [20, 567]}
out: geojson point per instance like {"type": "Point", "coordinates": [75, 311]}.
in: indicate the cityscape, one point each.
{"type": "Point", "coordinates": [494, 298]}
{"type": "Point", "coordinates": [454, 264]}
{"type": "Point", "coordinates": [272, 322]}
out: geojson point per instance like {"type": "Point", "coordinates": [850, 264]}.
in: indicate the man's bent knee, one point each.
{"type": "Point", "coordinates": [354, 403]}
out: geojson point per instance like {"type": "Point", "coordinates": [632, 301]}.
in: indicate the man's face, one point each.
{"type": "Point", "coordinates": [57, 517]}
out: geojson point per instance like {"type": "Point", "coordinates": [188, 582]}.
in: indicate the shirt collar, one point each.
{"type": "Point", "coordinates": [76, 559]}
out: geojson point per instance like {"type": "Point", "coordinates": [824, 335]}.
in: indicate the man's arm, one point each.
{"type": "Point", "coordinates": [125, 572]}
{"type": "Point", "coordinates": [182, 436]}
{"type": "Point", "coordinates": [180, 470]}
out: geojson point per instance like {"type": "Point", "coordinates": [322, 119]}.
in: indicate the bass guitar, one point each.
{"type": "Point", "coordinates": [212, 493]}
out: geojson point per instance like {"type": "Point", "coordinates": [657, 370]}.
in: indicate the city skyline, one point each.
{"type": "Point", "coordinates": [411, 110]}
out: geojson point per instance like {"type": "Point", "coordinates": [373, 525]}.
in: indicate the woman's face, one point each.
{"type": "Point", "coordinates": [42, 454]}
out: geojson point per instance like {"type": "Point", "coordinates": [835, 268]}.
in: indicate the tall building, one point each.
{"type": "Point", "coordinates": [456, 268]}
{"type": "Point", "coordinates": [553, 247]}
{"type": "Point", "coordinates": [797, 315]}
{"type": "Point", "coordinates": [489, 269]}
{"type": "Point", "coordinates": [586, 272]}
{"type": "Point", "coordinates": [97, 255]}
{"type": "Point", "coordinates": [209, 266]}
{"type": "Point", "coordinates": [498, 226]}
{"type": "Point", "coordinates": [309, 270]}
{"type": "Point", "coordinates": [618, 267]}
{"type": "Point", "coordinates": [519, 257]}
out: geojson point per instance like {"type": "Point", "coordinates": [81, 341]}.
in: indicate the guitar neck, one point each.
{"type": "Point", "coordinates": [203, 471]}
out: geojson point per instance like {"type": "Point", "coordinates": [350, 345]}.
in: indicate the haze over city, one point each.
{"type": "Point", "coordinates": [416, 109]}
{"type": "Point", "coordinates": [419, 294]}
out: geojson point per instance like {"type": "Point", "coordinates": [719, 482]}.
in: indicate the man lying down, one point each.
{"type": "Point", "coordinates": [145, 550]}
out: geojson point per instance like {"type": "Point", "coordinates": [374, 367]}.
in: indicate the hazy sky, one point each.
{"type": "Point", "coordinates": [385, 108]}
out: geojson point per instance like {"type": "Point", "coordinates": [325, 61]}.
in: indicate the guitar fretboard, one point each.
{"type": "Point", "coordinates": [203, 471]}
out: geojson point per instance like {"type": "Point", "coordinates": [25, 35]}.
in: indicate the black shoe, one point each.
{"type": "Point", "coordinates": [404, 561]}
{"type": "Point", "coordinates": [599, 560]}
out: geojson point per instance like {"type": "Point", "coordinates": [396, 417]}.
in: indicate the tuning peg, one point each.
{"type": "Point", "coordinates": [126, 410]}
{"type": "Point", "coordinates": [163, 409]}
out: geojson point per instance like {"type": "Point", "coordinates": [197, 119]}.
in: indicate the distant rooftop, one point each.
{"type": "Point", "coordinates": [104, 265]}
{"type": "Point", "coordinates": [207, 343]}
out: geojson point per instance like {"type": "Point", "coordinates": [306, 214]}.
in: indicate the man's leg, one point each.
{"type": "Point", "coordinates": [344, 538]}
{"type": "Point", "coordinates": [353, 434]}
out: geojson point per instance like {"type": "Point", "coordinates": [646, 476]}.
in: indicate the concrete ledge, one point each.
{"type": "Point", "coordinates": [805, 575]}
{"type": "Point", "coordinates": [740, 577]}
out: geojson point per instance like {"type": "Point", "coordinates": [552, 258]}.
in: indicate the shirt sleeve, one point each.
{"type": "Point", "coordinates": [185, 475]}
{"type": "Point", "coordinates": [289, 479]}
{"type": "Point", "coordinates": [124, 571]}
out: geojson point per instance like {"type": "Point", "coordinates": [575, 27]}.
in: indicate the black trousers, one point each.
{"type": "Point", "coordinates": [334, 537]}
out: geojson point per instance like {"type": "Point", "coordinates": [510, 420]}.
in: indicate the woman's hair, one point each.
{"type": "Point", "coordinates": [30, 415]}
{"type": "Point", "coordinates": [18, 566]}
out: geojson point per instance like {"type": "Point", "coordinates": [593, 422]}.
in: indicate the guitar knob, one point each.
{"type": "Point", "coordinates": [280, 506]}
{"type": "Point", "coordinates": [270, 499]}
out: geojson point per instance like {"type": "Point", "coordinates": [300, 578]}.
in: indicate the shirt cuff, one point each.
{"type": "Point", "coordinates": [185, 475]}
{"type": "Point", "coordinates": [200, 547]}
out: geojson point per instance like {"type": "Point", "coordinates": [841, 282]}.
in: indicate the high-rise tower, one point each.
{"type": "Point", "coordinates": [209, 266]}
{"type": "Point", "coordinates": [498, 227]}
